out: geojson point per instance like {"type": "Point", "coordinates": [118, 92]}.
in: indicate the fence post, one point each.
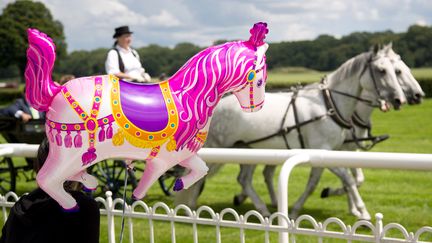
{"type": "Point", "coordinates": [378, 227]}
{"type": "Point", "coordinates": [110, 217]}
{"type": "Point", "coordinates": [287, 167]}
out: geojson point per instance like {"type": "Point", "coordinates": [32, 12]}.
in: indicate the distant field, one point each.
{"type": "Point", "coordinates": [287, 76]}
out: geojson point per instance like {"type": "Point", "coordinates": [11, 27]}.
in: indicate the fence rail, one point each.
{"type": "Point", "coordinates": [182, 214]}
{"type": "Point", "coordinates": [284, 226]}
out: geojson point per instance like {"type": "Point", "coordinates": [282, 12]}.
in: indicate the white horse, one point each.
{"type": "Point", "coordinates": [371, 71]}
{"type": "Point", "coordinates": [361, 118]}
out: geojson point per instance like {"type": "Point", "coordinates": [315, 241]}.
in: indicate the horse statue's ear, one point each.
{"type": "Point", "coordinates": [258, 34]}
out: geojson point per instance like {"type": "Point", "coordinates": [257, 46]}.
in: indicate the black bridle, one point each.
{"type": "Point", "coordinates": [332, 111]}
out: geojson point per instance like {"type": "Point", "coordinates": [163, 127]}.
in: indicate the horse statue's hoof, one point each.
{"type": "Point", "coordinates": [178, 186]}
{"type": "Point", "coordinates": [88, 190]}
{"type": "Point", "coordinates": [71, 210]}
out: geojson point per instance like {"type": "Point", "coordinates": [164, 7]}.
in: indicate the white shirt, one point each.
{"type": "Point", "coordinates": [132, 64]}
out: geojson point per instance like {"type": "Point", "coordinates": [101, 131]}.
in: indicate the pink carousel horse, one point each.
{"type": "Point", "coordinates": [91, 119]}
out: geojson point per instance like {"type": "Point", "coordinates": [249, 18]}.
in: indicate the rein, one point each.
{"type": "Point", "coordinates": [365, 125]}
{"type": "Point", "coordinates": [332, 111]}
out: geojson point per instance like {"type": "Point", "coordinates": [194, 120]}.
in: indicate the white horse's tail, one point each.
{"type": "Point", "coordinates": [40, 88]}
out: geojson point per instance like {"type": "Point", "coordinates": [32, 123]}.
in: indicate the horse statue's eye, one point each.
{"type": "Point", "coordinates": [398, 71]}
{"type": "Point", "coordinates": [259, 83]}
{"type": "Point", "coordinates": [382, 70]}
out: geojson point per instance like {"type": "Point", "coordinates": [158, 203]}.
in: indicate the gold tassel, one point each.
{"type": "Point", "coordinates": [171, 145]}
{"type": "Point", "coordinates": [118, 138]}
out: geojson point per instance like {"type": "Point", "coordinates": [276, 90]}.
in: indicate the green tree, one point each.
{"type": "Point", "coordinates": [15, 20]}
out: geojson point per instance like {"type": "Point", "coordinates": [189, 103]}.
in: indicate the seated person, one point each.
{"type": "Point", "coordinates": [21, 110]}
{"type": "Point", "coordinates": [36, 217]}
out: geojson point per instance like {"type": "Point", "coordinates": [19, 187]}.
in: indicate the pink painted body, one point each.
{"type": "Point", "coordinates": [79, 140]}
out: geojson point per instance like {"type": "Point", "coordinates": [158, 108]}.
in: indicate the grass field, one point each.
{"type": "Point", "coordinates": [279, 77]}
{"type": "Point", "coordinates": [402, 196]}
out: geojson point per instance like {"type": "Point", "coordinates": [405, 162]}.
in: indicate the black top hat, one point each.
{"type": "Point", "coordinates": [121, 30]}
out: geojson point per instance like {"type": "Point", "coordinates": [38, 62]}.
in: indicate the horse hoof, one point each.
{"type": "Point", "coordinates": [325, 192]}
{"type": "Point", "coordinates": [236, 201]}
{"type": "Point", "coordinates": [74, 209]}
{"type": "Point", "coordinates": [178, 186]}
{"type": "Point", "coordinates": [89, 190]}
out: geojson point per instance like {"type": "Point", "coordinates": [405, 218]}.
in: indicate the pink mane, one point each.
{"type": "Point", "coordinates": [202, 81]}
{"type": "Point", "coordinates": [40, 89]}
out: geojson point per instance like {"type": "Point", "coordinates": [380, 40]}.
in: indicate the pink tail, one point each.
{"type": "Point", "coordinates": [40, 89]}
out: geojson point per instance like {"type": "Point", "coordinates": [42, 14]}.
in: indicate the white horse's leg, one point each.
{"type": "Point", "coordinates": [189, 196]}
{"type": "Point", "coordinates": [245, 179]}
{"type": "Point", "coordinates": [89, 182]}
{"type": "Point", "coordinates": [312, 183]}
{"type": "Point", "coordinates": [153, 170]}
{"type": "Point", "coordinates": [198, 169]}
{"type": "Point", "coordinates": [51, 178]}
{"type": "Point", "coordinates": [268, 174]}
{"type": "Point", "coordinates": [359, 210]}
{"type": "Point", "coordinates": [358, 178]}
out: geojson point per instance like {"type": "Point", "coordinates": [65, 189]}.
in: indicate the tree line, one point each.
{"type": "Point", "coordinates": [323, 53]}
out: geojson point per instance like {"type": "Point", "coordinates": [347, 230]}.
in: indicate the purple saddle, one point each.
{"type": "Point", "coordinates": [144, 105]}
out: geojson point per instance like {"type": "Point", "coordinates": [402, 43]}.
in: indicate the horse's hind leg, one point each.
{"type": "Point", "coordinates": [358, 178]}
{"type": "Point", "coordinates": [268, 174]}
{"type": "Point", "coordinates": [312, 183]}
{"type": "Point", "coordinates": [51, 177]}
{"type": "Point", "coordinates": [359, 210]}
{"type": "Point", "coordinates": [89, 182]}
{"type": "Point", "coordinates": [245, 178]}
{"type": "Point", "coordinates": [198, 169]}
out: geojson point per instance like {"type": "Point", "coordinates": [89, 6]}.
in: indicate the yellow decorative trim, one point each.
{"type": "Point", "coordinates": [139, 137]}
{"type": "Point", "coordinates": [118, 138]}
{"type": "Point", "coordinates": [202, 136]}
{"type": "Point", "coordinates": [171, 145]}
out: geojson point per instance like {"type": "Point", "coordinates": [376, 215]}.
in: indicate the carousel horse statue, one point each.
{"type": "Point", "coordinates": [91, 119]}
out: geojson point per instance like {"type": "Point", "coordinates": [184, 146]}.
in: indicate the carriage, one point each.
{"type": "Point", "coordinates": [110, 173]}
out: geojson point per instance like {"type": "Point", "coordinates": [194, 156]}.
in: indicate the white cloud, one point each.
{"type": "Point", "coordinates": [421, 22]}
{"type": "Point", "coordinates": [165, 19]}
{"type": "Point", "coordinates": [90, 24]}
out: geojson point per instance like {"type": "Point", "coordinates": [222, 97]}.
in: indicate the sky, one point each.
{"type": "Point", "coordinates": [89, 24]}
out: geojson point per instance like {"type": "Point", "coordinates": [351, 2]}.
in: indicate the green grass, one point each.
{"type": "Point", "coordinates": [422, 73]}
{"type": "Point", "coordinates": [280, 77]}
{"type": "Point", "coordinates": [402, 196]}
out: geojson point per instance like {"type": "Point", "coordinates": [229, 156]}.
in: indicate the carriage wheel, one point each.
{"type": "Point", "coordinates": [111, 175]}
{"type": "Point", "coordinates": [7, 175]}
{"type": "Point", "coordinates": [167, 180]}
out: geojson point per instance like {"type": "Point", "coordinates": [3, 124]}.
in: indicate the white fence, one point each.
{"type": "Point", "coordinates": [284, 226]}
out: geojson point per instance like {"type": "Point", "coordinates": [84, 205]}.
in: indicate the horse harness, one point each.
{"type": "Point", "coordinates": [332, 111]}
{"type": "Point", "coordinates": [365, 125]}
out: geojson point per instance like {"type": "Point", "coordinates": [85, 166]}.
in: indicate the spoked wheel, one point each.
{"type": "Point", "coordinates": [167, 180]}
{"type": "Point", "coordinates": [7, 175]}
{"type": "Point", "coordinates": [111, 176]}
